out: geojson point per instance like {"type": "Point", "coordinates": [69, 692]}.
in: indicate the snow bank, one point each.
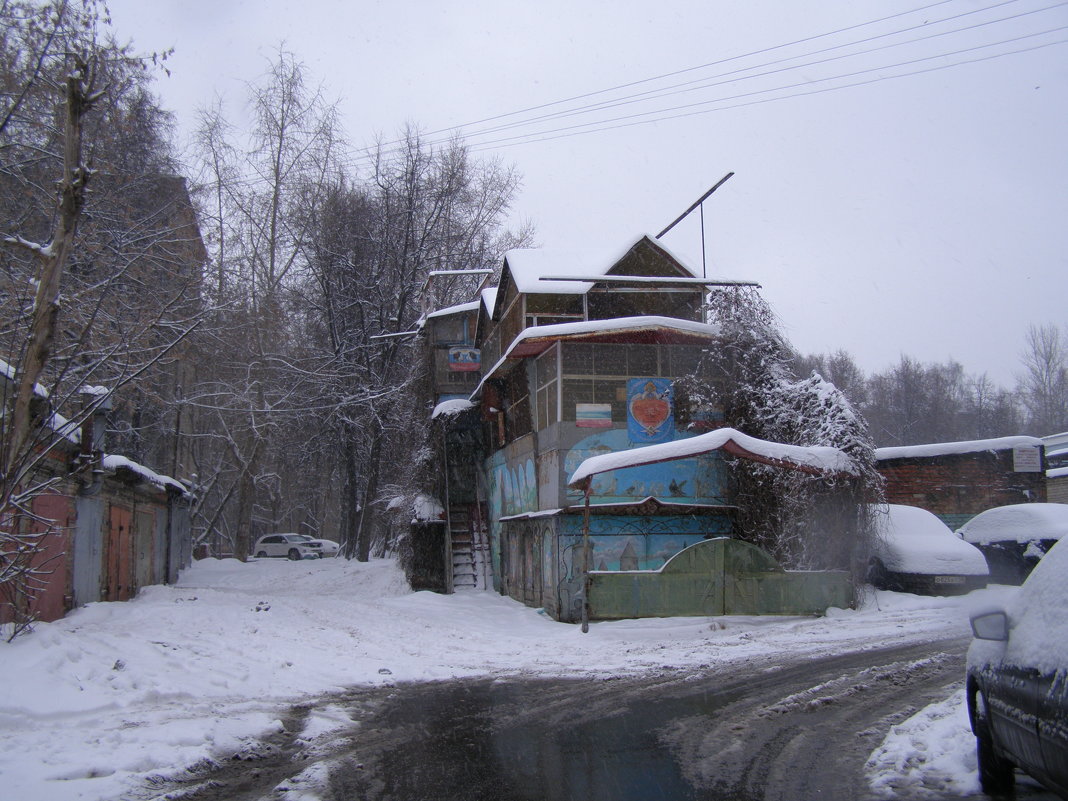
{"type": "Point", "coordinates": [1019, 522]}
{"type": "Point", "coordinates": [930, 755]}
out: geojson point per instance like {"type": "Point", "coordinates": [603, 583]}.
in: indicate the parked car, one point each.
{"type": "Point", "coordinates": [916, 552]}
{"type": "Point", "coordinates": [1014, 538]}
{"type": "Point", "coordinates": [290, 546]}
{"type": "Point", "coordinates": [326, 547]}
{"type": "Point", "coordinates": [1017, 682]}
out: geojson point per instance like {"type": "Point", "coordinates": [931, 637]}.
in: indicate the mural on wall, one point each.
{"type": "Point", "coordinates": [513, 489]}
{"type": "Point", "coordinates": [650, 410]}
{"type": "Point", "coordinates": [697, 480]}
{"type": "Point", "coordinates": [465, 359]}
{"type": "Point", "coordinates": [638, 543]}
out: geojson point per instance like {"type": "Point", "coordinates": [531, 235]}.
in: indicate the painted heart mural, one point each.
{"type": "Point", "coordinates": [649, 410]}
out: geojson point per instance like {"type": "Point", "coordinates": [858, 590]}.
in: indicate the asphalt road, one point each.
{"type": "Point", "coordinates": [761, 731]}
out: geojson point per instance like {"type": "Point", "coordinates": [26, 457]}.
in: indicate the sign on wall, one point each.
{"type": "Point", "coordinates": [465, 360]}
{"type": "Point", "coordinates": [1027, 459]}
{"type": "Point", "coordinates": [650, 410]}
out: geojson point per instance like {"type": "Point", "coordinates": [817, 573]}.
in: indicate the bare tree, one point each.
{"type": "Point", "coordinates": [1044, 384]}
{"type": "Point", "coordinates": [61, 324]}
{"type": "Point", "coordinates": [424, 210]}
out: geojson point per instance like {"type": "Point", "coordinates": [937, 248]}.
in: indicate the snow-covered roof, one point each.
{"type": "Point", "coordinates": [1057, 472]}
{"type": "Point", "coordinates": [451, 407]}
{"type": "Point", "coordinates": [115, 462]}
{"type": "Point", "coordinates": [593, 327]}
{"type": "Point", "coordinates": [950, 448]}
{"type": "Point", "coordinates": [913, 540]}
{"type": "Point", "coordinates": [457, 309]}
{"type": "Point", "coordinates": [489, 298]}
{"type": "Point", "coordinates": [426, 509]}
{"type": "Point", "coordinates": [530, 266]}
{"type": "Point", "coordinates": [822, 458]}
{"type": "Point", "coordinates": [1018, 522]}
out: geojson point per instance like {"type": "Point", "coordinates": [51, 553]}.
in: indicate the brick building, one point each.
{"type": "Point", "coordinates": [958, 480]}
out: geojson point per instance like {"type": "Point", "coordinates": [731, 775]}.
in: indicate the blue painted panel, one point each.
{"type": "Point", "coordinates": [699, 480]}
{"type": "Point", "coordinates": [621, 542]}
{"type": "Point", "coordinates": [650, 410]}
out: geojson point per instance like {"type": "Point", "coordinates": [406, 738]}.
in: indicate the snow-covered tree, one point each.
{"type": "Point", "coordinates": [806, 521]}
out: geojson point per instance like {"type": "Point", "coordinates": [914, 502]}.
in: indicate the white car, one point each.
{"type": "Point", "coordinates": [916, 552]}
{"type": "Point", "coordinates": [1014, 538]}
{"type": "Point", "coordinates": [289, 546]}
{"type": "Point", "coordinates": [327, 547]}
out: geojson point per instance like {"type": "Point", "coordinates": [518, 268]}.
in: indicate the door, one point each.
{"type": "Point", "coordinates": [53, 601]}
{"type": "Point", "coordinates": [120, 555]}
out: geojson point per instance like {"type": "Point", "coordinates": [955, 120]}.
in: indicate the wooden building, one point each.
{"type": "Point", "coordinates": [578, 354]}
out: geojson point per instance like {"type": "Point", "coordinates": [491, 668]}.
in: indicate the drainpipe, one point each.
{"type": "Point", "coordinates": [586, 558]}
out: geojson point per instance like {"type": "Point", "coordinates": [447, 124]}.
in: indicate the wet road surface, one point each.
{"type": "Point", "coordinates": [797, 731]}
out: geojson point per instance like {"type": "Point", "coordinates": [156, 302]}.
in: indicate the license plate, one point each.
{"type": "Point", "coordinates": [949, 579]}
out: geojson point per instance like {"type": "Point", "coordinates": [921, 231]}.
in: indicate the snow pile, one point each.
{"type": "Point", "coordinates": [450, 407]}
{"type": "Point", "coordinates": [930, 755]}
{"type": "Point", "coordinates": [115, 462]}
{"type": "Point", "coordinates": [913, 540]}
{"type": "Point", "coordinates": [94, 705]}
{"type": "Point", "coordinates": [426, 509]}
{"type": "Point", "coordinates": [1019, 522]}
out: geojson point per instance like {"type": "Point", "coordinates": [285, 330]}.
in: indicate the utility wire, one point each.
{"type": "Point", "coordinates": [493, 146]}
{"type": "Point", "coordinates": [710, 81]}
{"type": "Point", "coordinates": [663, 92]}
{"type": "Point", "coordinates": [604, 124]}
{"type": "Point", "coordinates": [680, 71]}
{"type": "Point", "coordinates": [356, 160]}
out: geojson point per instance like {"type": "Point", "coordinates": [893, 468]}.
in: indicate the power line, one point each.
{"type": "Point", "coordinates": [490, 146]}
{"type": "Point", "coordinates": [355, 160]}
{"type": "Point", "coordinates": [603, 123]}
{"type": "Point", "coordinates": [684, 70]}
{"type": "Point", "coordinates": [705, 83]}
{"type": "Point", "coordinates": [800, 84]}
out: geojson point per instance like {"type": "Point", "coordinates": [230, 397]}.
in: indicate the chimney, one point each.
{"type": "Point", "coordinates": [96, 403]}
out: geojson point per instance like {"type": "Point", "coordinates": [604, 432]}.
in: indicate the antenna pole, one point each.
{"type": "Point", "coordinates": [696, 203]}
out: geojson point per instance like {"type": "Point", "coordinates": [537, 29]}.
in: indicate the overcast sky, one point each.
{"type": "Point", "coordinates": [924, 215]}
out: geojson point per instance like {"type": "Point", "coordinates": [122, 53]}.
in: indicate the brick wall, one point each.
{"type": "Point", "coordinates": [957, 487]}
{"type": "Point", "coordinates": [1057, 489]}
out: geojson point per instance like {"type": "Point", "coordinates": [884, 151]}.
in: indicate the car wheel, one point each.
{"type": "Point", "coordinates": [261, 554]}
{"type": "Point", "coordinates": [877, 574]}
{"type": "Point", "coordinates": [996, 774]}
{"type": "Point", "coordinates": [294, 554]}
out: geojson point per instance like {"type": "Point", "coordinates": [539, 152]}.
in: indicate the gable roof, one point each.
{"type": "Point", "coordinates": [527, 268]}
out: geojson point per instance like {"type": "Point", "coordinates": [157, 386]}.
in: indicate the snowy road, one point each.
{"type": "Point", "coordinates": [757, 731]}
{"type": "Point", "coordinates": [247, 664]}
